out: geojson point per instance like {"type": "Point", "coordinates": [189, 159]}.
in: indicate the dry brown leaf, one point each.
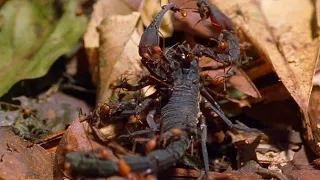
{"type": "Point", "coordinates": [318, 14]}
{"type": "Point", "coordinates": [101, 10]}
{"type": "Point", "coordinates": [19, 160]}
{"type": "Point", "coordinates": [181, 173]}
{"type": "Point", "coordinates": [296, 68]}
{"type": "Point", "coordinates": [311, 123]}
{"type": "Point", "coordinates": [150, 9]}
{"type": "Point", "coordinates": [244, 84]}
{"type": "Point", "coordinates": [136, 5]}
{"type": "Point", "coordinates": [283, 37]}
{"type": "Point", "coordinates": [118, 50]}
{"type": "Point", "coordinates": [300, 167]}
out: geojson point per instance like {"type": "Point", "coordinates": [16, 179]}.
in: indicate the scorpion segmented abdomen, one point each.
{"type": "Point", "coordinates": [183, 106]}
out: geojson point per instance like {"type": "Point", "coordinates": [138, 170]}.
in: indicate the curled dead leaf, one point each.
{"type": "Point", "coordinates": [118, 51]}
{"type": "Point", "coordinates": [282, 37]}
{"type": "Point", "coordinates": [101, 10]}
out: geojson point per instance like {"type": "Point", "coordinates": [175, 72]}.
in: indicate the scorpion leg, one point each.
{"type": "Point", "coordinates": [206, 94]}
{"type": "Point", "coordinates": [208, 101]}
{"type": "Point", "coordinates": [203, 128]}
{"type": "Point", "coordinates": [150, 120]}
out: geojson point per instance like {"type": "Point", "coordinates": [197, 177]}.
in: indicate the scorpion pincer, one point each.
{"type": "Point", "coordinates": [228, 43]}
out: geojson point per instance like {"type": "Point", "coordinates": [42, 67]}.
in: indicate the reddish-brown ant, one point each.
{"type": "Point", "coordinates": [151, 145]}
{"type": "Point", "coordinates": [124, 168]}
{"type": "Point", "coordinates": [219, 20]}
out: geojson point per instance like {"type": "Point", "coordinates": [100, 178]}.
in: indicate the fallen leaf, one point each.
{"type": "Point", "coordinates": [301, 167]}
{"type": "Point", "coordinates": [180, 173]}
{"type": "Point", "coordinates": [118, 51]}
{"type": "Point", "coordinates": [311, 121]}
{"type": "Point", "coordinates": [297, 67]}
{"type": "Point", "coordinates": [317, 6]}
{"type": "Point", "coordinates": [271, 157]}
{"type": "Point", "coordinates": [101, 10]}
{"type": "Point", "coordinates": [135, 4]}
{"type": "Point", "coordinates": [254, 168]}
{"type": "Point", "coordinates": [246, 144]}
{"type": "Point", "coordinates": [32, 39]}
{"type": "Point", "coordinates": [18, 161]}
{"type": "Point", "coordinates": [283, 37]}
{"type": "Point", "coordinates": [244, 84]}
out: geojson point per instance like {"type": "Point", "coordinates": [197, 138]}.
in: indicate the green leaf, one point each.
{"type": "Point", "coordinates": [33, 37]}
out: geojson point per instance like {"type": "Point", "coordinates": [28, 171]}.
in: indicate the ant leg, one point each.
{"type": "Point", "coordinates": [143, 82]}
{"type": "Point", "coordinates": [203, 128]}
{"type": "Point", "coordinates": [207, 97]}
{"type": "Point", "coordinates": [192, 148]}
{"type": "Point", "coordinates": [226, 75]}
{"type": "Point", "coordinates": [137, 133]}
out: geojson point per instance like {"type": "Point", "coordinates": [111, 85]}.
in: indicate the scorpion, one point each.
{"type": "Point", "coordinates": [175, 74]}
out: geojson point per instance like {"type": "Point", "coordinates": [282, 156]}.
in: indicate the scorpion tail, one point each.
{"type": "Point", "coordinates": [84, 165]}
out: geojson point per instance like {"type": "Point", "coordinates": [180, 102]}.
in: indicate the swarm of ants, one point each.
{"type": "Point", "coordinates": [173, 118]}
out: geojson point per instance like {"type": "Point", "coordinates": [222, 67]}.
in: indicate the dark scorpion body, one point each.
{"type": "Point", "coordinates": [175, 73]}
{"type": "Point", "coordinates": [174, 115]}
